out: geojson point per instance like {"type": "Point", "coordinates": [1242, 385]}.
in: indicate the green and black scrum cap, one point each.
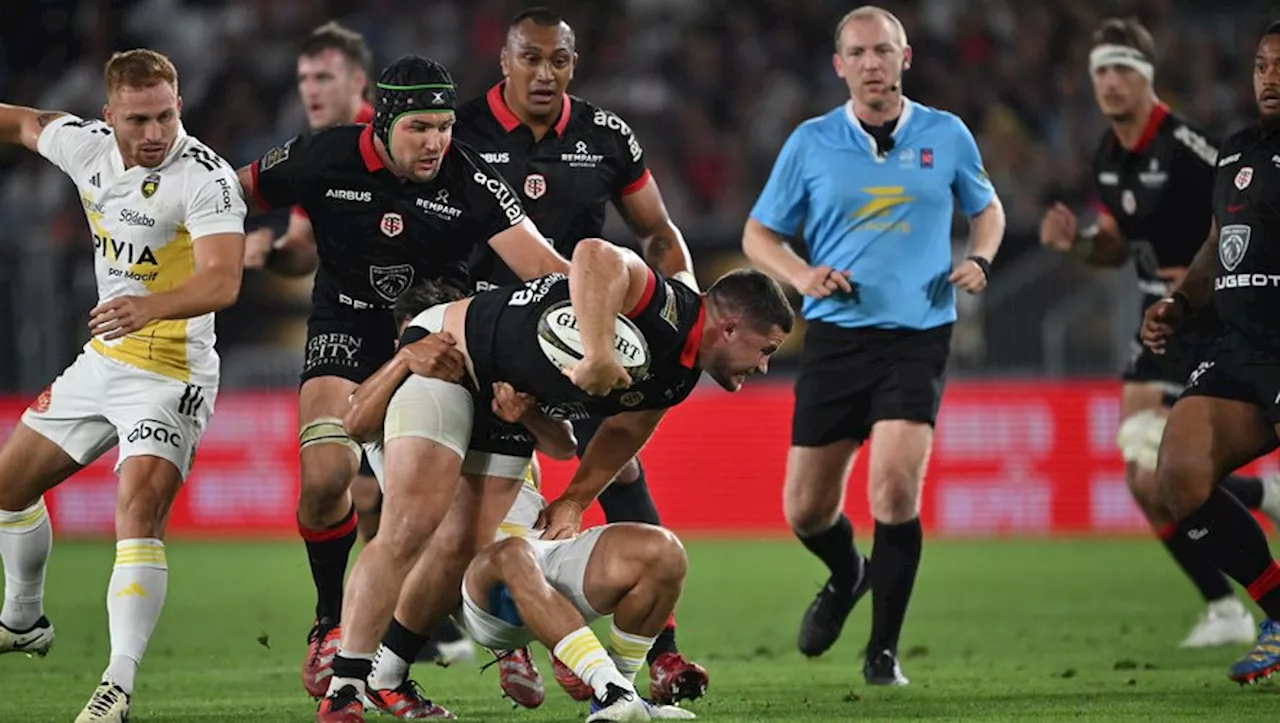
{"type": "Point", "coordinates": [412, 84]}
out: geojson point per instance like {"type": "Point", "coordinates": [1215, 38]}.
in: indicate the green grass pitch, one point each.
{"type": "Point", "coordinates": [1009, 630]}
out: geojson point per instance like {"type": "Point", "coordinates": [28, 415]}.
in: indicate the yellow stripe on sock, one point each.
{"type": "Point", "coordinates": [140, 554]}
{"type": "Point", "coordinates": [576, 650]}
{"type": "Point", "coordinates": [28, 518]}
{"type": "Point", "coordinates": [629, 648]}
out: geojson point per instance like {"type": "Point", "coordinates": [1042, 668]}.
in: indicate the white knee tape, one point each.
{"type": "Point", "coordinates": [1139, 438]}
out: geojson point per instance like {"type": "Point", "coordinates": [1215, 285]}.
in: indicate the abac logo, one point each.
{"type": "Point", "coordinates": [871, 216]}
{"type": "Point", "coordinates": [154, 430]}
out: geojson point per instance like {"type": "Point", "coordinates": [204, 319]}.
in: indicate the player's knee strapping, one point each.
{"type": "Point", "coordinates": [327, 430]}
{"type": "Point", "coordinates": [1139, 438]}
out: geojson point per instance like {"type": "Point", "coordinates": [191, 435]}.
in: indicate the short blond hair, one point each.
{"type": "Point", "coordinates": [140, 68]}
{"type": "Point", "coordinates": [868, 12]}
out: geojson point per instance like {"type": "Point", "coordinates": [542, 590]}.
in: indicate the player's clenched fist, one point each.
{"type": "Point", "coordinates": [435, 356]}
{"type": "Point", "coordinates": [598, 376]}
{"type": "Point", "coordinates": [822, 281]}
{"type": "Point", "coordinates": [1058, 228]}
{"type": "Point", "coordinates": [1160, 321]}
{"type": "Point", "coordinates": [120, 316]}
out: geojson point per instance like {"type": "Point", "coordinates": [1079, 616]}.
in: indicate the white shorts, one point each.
{"type": "Point", "coordinates": [97, 403]}
{"type": "Point", "coordinates": [564, 566]}
{"type": "Point", "coordinates": [431, 409]}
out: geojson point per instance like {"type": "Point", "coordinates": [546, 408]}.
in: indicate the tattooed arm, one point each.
{"type": "Point", "coordinates": [661, 243]}
{"type": "Point", "coordinates": [22, 126]}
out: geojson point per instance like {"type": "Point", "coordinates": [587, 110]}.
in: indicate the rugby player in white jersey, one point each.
{"type": "Point", "coordinates": [167, 221]}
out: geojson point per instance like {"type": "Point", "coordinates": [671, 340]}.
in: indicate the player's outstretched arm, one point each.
{"type": "Point", "coordinates": [527, 252]}
{"type": "Point", "coordinates": [619, 438]}
{"type": "Point", "coordinates": [21, 126]}
{"type": "Point", "coordinates": [661, 242]}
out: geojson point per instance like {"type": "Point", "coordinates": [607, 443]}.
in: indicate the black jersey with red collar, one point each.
{"type": "Point", "coordinates": [589, 158]}
{"type": "Point", "coordinates": [1246, 206]}
{"type": "Point", "coordinates": [1159, 193]}
{"type": "Point", "coordinates": [364, 116]}
{"type": "Point", "coordinates": [502, 340]}
{"type": "Point", "coordinates": [377, 234]}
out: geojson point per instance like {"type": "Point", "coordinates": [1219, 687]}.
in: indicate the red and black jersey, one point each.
{"type": "Point", "coordinates": [502, 340]}
{"type": "Point", "coordinates": [364, 116]}
{"type": "Point", "coordinates": [589, 158]}
{"type": "Point", "coordinates": [1159, 193]}
{"type": "Point", "coordinates": [1246, 205]}
{"type": "Point", "coordinates": [377, 234]}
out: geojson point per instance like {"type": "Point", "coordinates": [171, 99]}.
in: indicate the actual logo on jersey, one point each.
{"type": "Point", "coordinates": [150, 185]}
{"type": "Point", "coordinates": [391, 281]}
{"type": "Point", "coordinates": [535, 186]}
{"type": "Point", "coordinates": [1233, 244]}
{"type": "Point", "coordinates": [582, 157]}
{"type": "Point", "coordinates": [926, 158]}
{"type": "Point", "coordinates": [1244, 177]}
{"type": "Point", "coordinates": [1128, 202]}
{"type": "Point", "coordinates": [392, 224]}
{"type": "Point", "coordinates": [504, 195]}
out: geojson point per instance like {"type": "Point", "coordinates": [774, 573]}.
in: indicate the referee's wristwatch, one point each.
{"type": "Point", "coordinates": [983, 264]}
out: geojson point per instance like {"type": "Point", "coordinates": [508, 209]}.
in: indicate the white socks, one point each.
{"type": "Point", "coordinates": [389, 670]}
{"type": "Point", "coordinates": [582, 652]}
{"type": "Point", "coordinates": [628, 651]}
{"type": "Point", "coordinates": [26, 538]}
{"type": "Point", "coordinates": [135, 597]}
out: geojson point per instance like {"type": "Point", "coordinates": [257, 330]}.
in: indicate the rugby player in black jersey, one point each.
{"type": "Point", "coordinates": [569, 159]}
{"type": "Point", "coordinates": [390, 203]}
{"type": "Point", "coordinates": [1229, 414]}
{"type": "Point", "coordinates": [431, 527]}
{"type": "Point", "coordinates": [1154, 177]}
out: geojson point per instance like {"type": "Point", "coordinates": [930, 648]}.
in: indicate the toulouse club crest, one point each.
{"type": "Point", "coordinates": [1243, 177]}
{"type": "Point", "coordinates": [392, 224]}
{"type": "Point", "coordinates": [535, 186]}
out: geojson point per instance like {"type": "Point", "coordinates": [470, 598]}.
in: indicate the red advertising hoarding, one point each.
{"type": "Point", "coordinates": [1015, 457]}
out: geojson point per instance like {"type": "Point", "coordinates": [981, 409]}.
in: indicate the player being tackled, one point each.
{"type": "Point", "coordinates": [523, 588]}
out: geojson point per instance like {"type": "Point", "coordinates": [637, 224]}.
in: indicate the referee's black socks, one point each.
{"type": "Point", "coordinates": [835, 547]}
{"type": "Point", "coordinates": [895, 558]}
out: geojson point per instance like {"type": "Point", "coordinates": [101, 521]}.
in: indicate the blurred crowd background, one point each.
{"type": "Point", "coordinates": [712, 88]}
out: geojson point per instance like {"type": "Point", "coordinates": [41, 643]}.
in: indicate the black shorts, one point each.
{"type": "Point", "coordinates": [852, 378]}
{"type": "Point", "coordinates": [1238, 370]}
{"type": "Point", "coordinates": [366, 470]}
{"type": "Point", "coordinates": [492, 435]}
{"type": "Point", "coordinates": [348, 343]}
{"type": "Point", "coordinates": [1171, 369]}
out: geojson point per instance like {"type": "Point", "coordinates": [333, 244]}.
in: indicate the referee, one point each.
{"type": "Point", "coordinates": [869, 186]}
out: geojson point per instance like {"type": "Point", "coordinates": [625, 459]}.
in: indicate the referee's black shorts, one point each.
{"type": "Point", "coordinates": [852, 378]}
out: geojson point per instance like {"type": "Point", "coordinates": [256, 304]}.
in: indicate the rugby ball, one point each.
{"type": "Point", "coordinates": [561, 343]}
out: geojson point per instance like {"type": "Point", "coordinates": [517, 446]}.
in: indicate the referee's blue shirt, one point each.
{"type": "Point", "coordinates": [886, 220]}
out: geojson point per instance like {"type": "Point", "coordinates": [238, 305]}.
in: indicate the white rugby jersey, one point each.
{"type": "Point", "coordinates": [143, 222]}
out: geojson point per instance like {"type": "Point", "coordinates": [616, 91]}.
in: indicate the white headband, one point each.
{"type": "Point", "coordinates": [1105, 55]}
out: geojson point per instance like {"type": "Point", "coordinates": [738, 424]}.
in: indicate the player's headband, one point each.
{"type": "Point", "coordinates": [1104, 55]}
